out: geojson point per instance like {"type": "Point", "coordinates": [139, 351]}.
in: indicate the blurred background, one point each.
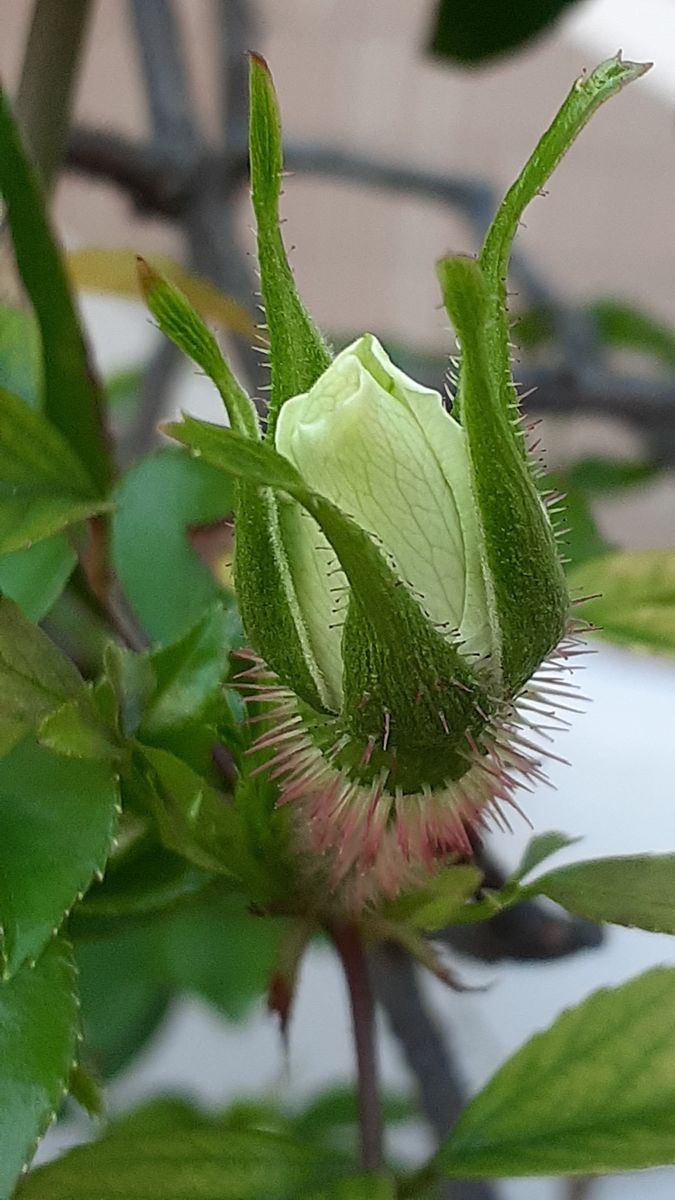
{"type": "Point", "coordinates": [397, 154]}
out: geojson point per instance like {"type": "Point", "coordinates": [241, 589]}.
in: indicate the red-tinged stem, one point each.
{"type": "Point", "coordinates": [349, 946]}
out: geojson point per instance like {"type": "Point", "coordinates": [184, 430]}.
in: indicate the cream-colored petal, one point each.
{"type": "Point", "coordinates": [384, 450]}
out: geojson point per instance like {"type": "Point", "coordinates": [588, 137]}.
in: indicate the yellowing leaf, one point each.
{"type": "Point", "coordinates": [115, 272]}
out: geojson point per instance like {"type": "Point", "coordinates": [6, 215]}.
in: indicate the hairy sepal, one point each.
{"type": "Point", "coordinates": [586, 95]}
{"type": "Point", "coordinates": [265, 590]}
{"type": "Point", "coordinates": [526, 590]}
{"type": "Point", "coordinates": [298, 353]}
{"type": "Point", "coordinates": [408, 694]}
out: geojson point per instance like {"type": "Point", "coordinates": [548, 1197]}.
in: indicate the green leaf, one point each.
{"type": "Point", "coordinates": [123, 995]}
{"type": "Point", "coordinates": [359, 1187]}
{"type": "Point", "coordinates": [192, 818]}
{"type": "Point", "coordinates": [582, 539]}
{"type": "Point", "coordinates": [211, 947]}
{"type": "Point", "coordinates": [39, 1030]}
{"type": "Point", "coordinates": [631, 598]}
{"type": "Point", "coordinates": [593, 1094]}
{"type": "Point", "coordinates": [468, 33]}
{"type": "Point", "coordinates": [40, 689]}
{"type": "Point", "coordinates": [635, 890]}
{"type": "Point", "coordinates": [35, 677]}
{"type": "Point", "coordinates": [622, 325]}
{"type": "Point", "coordinates": [525, 584]}
{"type": "Point", "coordinates": [20, 355]}
{"type": "Point", "coordinates": [298, 353]}
{"type": "Point", "coordinates": [432, 907]}
{"type": "Point", "coordinates": [85, 1090]}
{"type": "Point", "coordinates": [599, 475]}
{"type": "Point", "coordinates": [72, 401]}
{"type": "Point", "coordinates": [326, 1115]}
{"type": "Point", "coordinates": [131, 681]}
{"type": "Point", "coordinates": [198, 1164]}
{"type": "Point", "coordinates": [156, 504]}
{"type": "Point", "coordinates": [76, 729]}
{"type": "Point", "coordinates": [189, 674]}
{"type": "Point", "coordinates": [218, 950]}
{"type": "Point", "coordinates": [35, 578]}
{"type": "Point", "coordinates": [57, 822]}
{"type": "Point", "coordinates": [43, 486]}
{"type": "Point", "coordinates": [144, 881]}
{"type": "Point", "coordinates": [539, 848]}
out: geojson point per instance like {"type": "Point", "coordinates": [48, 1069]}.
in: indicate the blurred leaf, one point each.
{"type": "Point", "coordinates": [358, 1187]}
{"type": "Point", "coordinates": [597, 475]}
{"type": "Point", "coordinates": [35, 578]}
{"type": "Point", "coordinates": [123, 995]}
{"type": "Point", "coordinates": [432, 907]}
{"type": "Point", "coordinates": [188, 674]}
{"type": "Point", "coordinates": [115, 272]}
{"type": "Point", "coordinates": [204, 1162]}
{"type": "Point", "coordinates": [579, 484]}
{"type": "Point", "coordinates": [632, 598]}
{"type": "Point", "coordinates": [466, 32]}
{"type": "Point", "coordinates": [20, 355]}
{"type": "Point", "coordinates": [157, 502]}
{"type": "Point", "coordinates": [57, 821]}
{"type": "Point", "coordinates": [35, 677]}
{"type": "Point", "coordinates": [638, 891]}
{"type": "Point", "coordinates": [328, 1112]}
{"type": "Point", "coordinates": [40, 689]}
{"type": "Point", "coordinates": [85, 1090]}
{"type": "Point", "coordinates": [39, 1031]}
{"type": "Point", "coordinates": [593, 1094]}
{"type": "Point", "coordinates": [212, 948]}
{"type": "Point", "coordinates": [538, 849]}
{"type": "Point", "coordinates": [122, 389]}
{"type": "Point", "coordinates": [71, 400]}
{"type": "Point", "coordinates": [581, 539]}
{"type": "Point", "coordinates": [75, 729]}
{"type": "Point", "coordinates": [132, 680]}
{"type": "Point", "coordinates": [628, 328]}
{"type": "Point", "coordinates": [44, 488]}
{"type": "Point", "coordinates": [144, 881]}
{"type": "Point", "coordinates": [217, 950]}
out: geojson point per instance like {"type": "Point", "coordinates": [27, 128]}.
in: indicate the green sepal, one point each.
{"type": "Point", "coordinates": [588, 92]}
{"type": "Point", "coordinates": [265, 592]}
{"type": "Point", "coordinates": [179, 321]}
{"type": "Point", "coordinates": [298, 353]}
{"type": "Point", "coordinates": [39, 1034]}
{"type": "Point", "coordinates": [525, 582]}
{"type": "Point", "coordinates": [423, 701]}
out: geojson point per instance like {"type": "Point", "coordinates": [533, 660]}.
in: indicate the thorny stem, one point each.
{"type": "Point", "coordinates": [348, 943]}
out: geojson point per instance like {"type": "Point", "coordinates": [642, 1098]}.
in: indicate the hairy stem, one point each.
{"type": "Point", "coordinates": [349, 946]}
{"type": "Point", "coordinates": [45, 94]}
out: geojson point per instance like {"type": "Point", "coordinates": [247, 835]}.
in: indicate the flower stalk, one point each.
{"type": "Point", "coordinates": [349, 946]}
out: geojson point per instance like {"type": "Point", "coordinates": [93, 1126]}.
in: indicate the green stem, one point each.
{"type": "Point", "coordinates": [349, 945]}
{"type": "Point", "coordinates": [45, 94]}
